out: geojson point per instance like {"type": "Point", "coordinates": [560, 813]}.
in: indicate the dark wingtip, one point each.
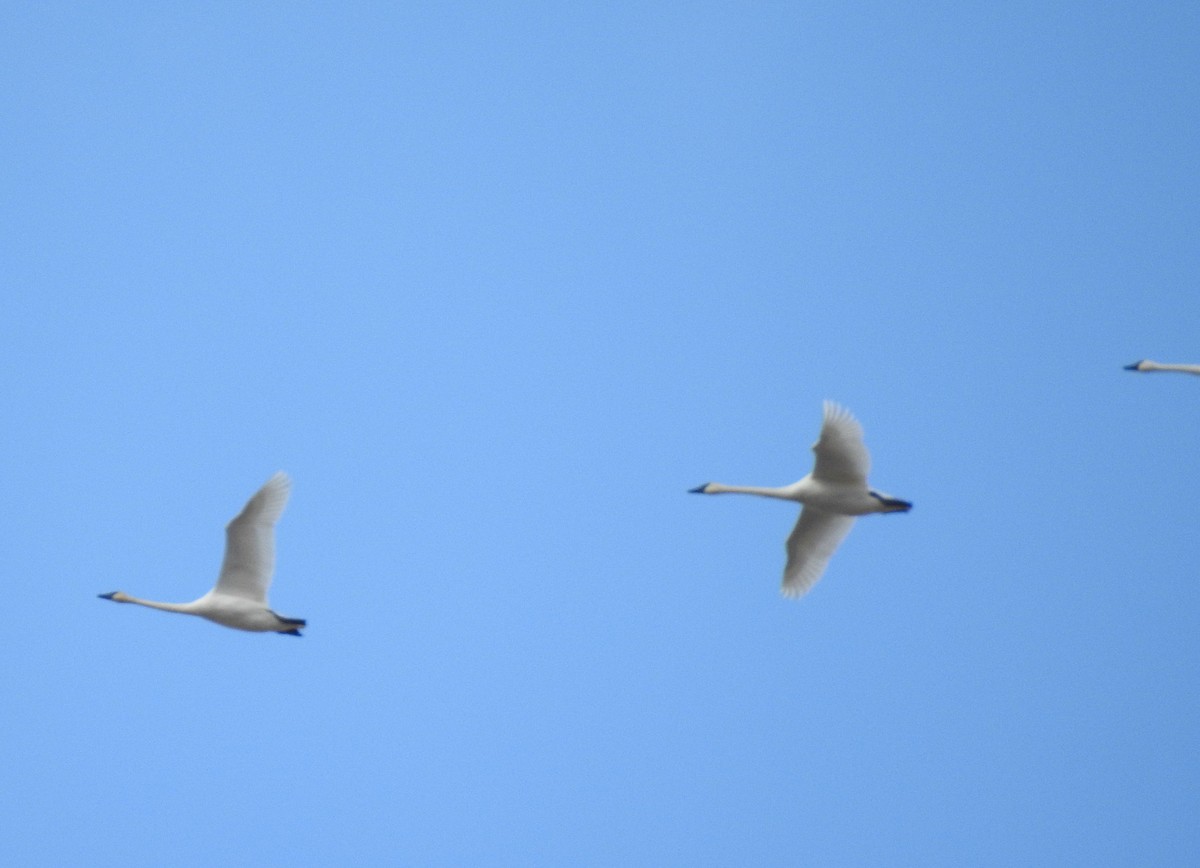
{"type": "Point", "coordinates": [891, 504]}
{"type": "Point", "coordinates": [290, 622]}
{"type": "Point", "coordinates": [107, 596]}
{"type": "Point", "coordinates": [699, 489]}
{"type": "Point", "coordinates": [289, 632]}
{"type": "Point", "coordinates": [1134, 366]}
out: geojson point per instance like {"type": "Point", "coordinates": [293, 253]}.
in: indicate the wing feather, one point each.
{"type": "Point", "coordinates": [250, 542]}
{"type": "Point", "coordinates": [810, 545]}
{"type": "Point", "coordinates": [841, 454]}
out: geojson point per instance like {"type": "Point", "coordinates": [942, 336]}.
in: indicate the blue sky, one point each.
{"type": "Point", "coordinates": [496, 284]}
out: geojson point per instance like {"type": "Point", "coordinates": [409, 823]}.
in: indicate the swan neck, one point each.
{"type": "Point", "coordinates": [721, 488]}
{"type": "Point", "coordinates": [183, 608]}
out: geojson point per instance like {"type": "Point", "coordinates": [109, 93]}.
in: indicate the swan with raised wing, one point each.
{"type": "Point", "coordinates": [239, 599]}
{"type": "Point", "coordinates": [832, 497]}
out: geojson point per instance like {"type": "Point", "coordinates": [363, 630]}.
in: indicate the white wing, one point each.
{"type": "Point", "coordinates": [250, 542]}
{"type": "Point", "coordinates": [810, 545]}
{"type": "Point", "coordinates": [841, 455]}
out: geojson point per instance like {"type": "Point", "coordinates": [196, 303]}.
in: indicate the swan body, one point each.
{"type": "Point", "coordinates": [239, 599]}
{"type": "Point", "coordinates": [833, 496]}
{"type": "Point", "coordinates": [1147, 365]}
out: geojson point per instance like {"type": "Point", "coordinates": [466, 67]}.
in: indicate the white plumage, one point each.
{"type": "Point", "coordinates": [1147, 365]}
{"type": "Point", "coordinates": [833, 495]}
{"type": "Point", "coordinates": [239, 599]}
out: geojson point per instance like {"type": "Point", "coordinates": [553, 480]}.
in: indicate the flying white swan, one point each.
{"type": "Point", "coordinates": [1147, 365]}
{"type": "Point", "coordinates": [833, 495]}
{"type": "Point", "coordinates": [239, 599]}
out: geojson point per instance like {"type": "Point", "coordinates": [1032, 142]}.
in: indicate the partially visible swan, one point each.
{"type": "Point", "coordinates": [1147, 365]}
{"type": "Point", "coordinates": [239, 599]}
{"type": "Point", "coordinates": [833, 495]}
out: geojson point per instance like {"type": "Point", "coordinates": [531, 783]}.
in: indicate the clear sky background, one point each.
{"type": "Point", "coordinates": [496, 284]}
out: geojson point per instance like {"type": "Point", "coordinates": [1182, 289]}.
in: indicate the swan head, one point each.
{"type": "Point", "coordinates": [1136, 366]}
{"type": "Point", "coordinates": [115, 596]}
{"type": "Point", "coordinates": [700, 489]}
